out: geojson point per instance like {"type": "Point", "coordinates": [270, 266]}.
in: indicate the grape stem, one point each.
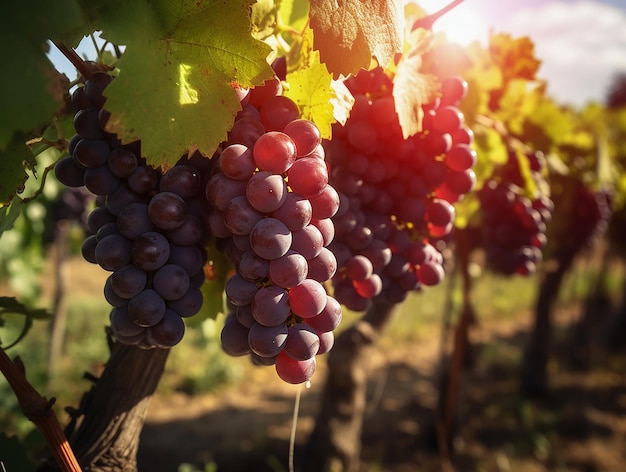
{"type": "Point", "coordinates": [38, 409]}
{"type": "Point", "coordinates": [84, 68]}
{"type": "Point", "coordinates": [427, 22]}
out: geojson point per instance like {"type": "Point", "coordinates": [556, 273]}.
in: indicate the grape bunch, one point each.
{"type": "Point", "coordinates": [513, 226]}
{"type": "Point", "coordinates": [396, 195]}
{"type": "Point", "coordinates": [148, 227]}
{"type": "Point", "coordinates": [271, 214]}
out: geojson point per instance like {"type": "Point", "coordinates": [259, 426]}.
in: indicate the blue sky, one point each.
{"type": "Point", "coordinates": [581, 43]}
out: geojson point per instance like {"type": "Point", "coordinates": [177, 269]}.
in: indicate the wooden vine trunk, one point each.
{"type": "Point", "coordinates": [335, 443]}
{"type": "Point", "coordinates": [113, 412]}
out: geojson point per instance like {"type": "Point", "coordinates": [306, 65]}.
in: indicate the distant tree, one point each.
{"type": "Point", "coordinates": [616, 97]}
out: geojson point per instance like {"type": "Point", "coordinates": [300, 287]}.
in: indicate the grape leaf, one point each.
{"type": "Point", "coordinates": [412, 88]}
{"type": "Point", "coordinates": [13, 161]}
{"type": "Point", "coordinates": [349, 33]}
{"type": "Point", "coordinates": [9, 214]}
{"type": "Point", "coordinates": [31, 92]}
{"type": "Point", "coordinates": [311, 86]}
{"type": "Point", "coordinates": [514, 56]}
{"type": "Point", "coordinates": [174, 86]}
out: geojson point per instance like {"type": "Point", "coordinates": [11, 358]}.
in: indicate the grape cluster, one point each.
{"type": "Point", "coordinates": [513, 225]}
{"type": "Point", "coordinates": [396, 194]}
{"type": "Point", "coordinates": [271, 214]}
{"type": "Point", "coordinates": [148, 228]}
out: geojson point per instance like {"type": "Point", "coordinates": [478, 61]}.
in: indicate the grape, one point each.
{"type": "Point", "coordinates": [183, 180]}
{"type": "Point", "coordinates": [260, 94]}
{"type": "Point", "coordinates": [302, 342]}
{"type": "Point", "coordinates": [246, 131]}
{"type": "Point", "coordinates": [128, 281]}
{"type": "Point", "coordinates": [305, 135]}
{"type": "Point", "coordinates": [187, 234]}
{"type": "Point", "coordinates": [326, 204]}
{"type": "Point", "coordinates": [68, 172]}
{"type": "Point", "coordinates": [239, 290]}
{"type": "Point", "coordinates": [327, 340]}
{"type": "Point", "coordinates": [461, 157]}
{"type": "Point", "coordinates": [447, 119]}
{"type": "Point", "coordinates": [168, 332]}
{"type": "Point", "coordinates": [270, 238]}
{"type": "Point", "coordinates": [87, 124]}
{"type": "Point", "coordinates": [328, 319]}
{"type": "Point", "coordinates": [323, 266]}
{"type": "Point", "coordinates": [252, 267]}
{"type": "Point", "coordinates": [359, 267]}
{"type": "Point", "coordinates": [220, 190]}
{"type": "Point", "coordinates": [326, 228]}
{"type": "Point", "coordinates": [453, 90]}
{"type": "Point", "coordinates": [112, 252]}
{"type": "Point", "coordinates": [308, 176]}
{"type": "Point", "coordinates": [295, 212]}
{"type": "Point", "coordinates": [267, 341]}
{"type": "Point", "coordinates": [94, 87]}
{"type": "Point", "coordinates": [133, 220]}
{"type": "Point", "coordinates": [308, 242]}
{"type": "Point", "coordinates": [274, 152]}
{"type": "Point", "coordinates": [244, 315]}
{"type": "Point", "coordinates": [370, 287]}
{"type": "Point", "coordinates": [146, 308]}
{"type": "Point", "coordinates": [189, 304]}
{"type": "Point", "coordinates": [106, 230]}
{"type": "Point", "coordinates": [430, 273]}
{"type": "Point", "coordinates": [171, 281]}
{"type": "Point", "coordinates": [237, 163]}
{"type": "Point", "coordinates": [234, 337]}
{"type": "Point", "coordinates": [91, 153]}
{"type": "Point", "coordinates": [266, 192]}
{"type": "Point", "coordinates": [167, 210]}
{"type": "Point", "coordinates": [143, 180]}
{"type": "Point", "coordinates": [308, 298]}
{"type": "Point", "coordinates": [122, 162]}
{"type": "Point", "coordinates": [122, 324]}
{"type": "Point", "coordinates": [293, 371]}
{"type": "Point", "coordinates": [277, 112]}
{"type": "Point", "coordinates": [150, 251]}
{"type": "Point", "coordinates": [439, 212]}
{"type": "Point", "coordinates": [101, 181]}
{"type": "Point", "coordinates": [288, 270]}
{"type": "Point", "coordinates": [121, 197]}
{"type": "Point", "coordinates": [270, 305]}
{"type": "Point", "coordinates": [111, 297]}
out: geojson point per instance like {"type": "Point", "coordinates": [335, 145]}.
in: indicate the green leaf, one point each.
{"type": "Point", "coordinates": [294, 13]}
{"type": "Point", "coordinates": [174, 86]}
{"type": "Point", "coordinates": [311, 89]}
{"type": "Point", "coordinates": [11, 305]}
{"type": "Point", "coordinates": [14, 159]}
{"type": "Point", "coordinates": [217, 272]}
{"type": "Point", "coordinates": [9, 214]}
{"type": "Point", "coordinates": [31, 89]}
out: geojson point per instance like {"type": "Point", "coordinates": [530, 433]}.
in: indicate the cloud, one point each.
{"type": "Point", "coordinates": [581, 45]}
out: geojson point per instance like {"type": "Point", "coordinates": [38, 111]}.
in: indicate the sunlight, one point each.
{"type": "Point", "coordinates": [463, 25]}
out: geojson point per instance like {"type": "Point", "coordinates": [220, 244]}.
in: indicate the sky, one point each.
{"type": "Point", "coordinates": [581, 43]}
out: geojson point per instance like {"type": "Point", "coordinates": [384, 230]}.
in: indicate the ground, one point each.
{"type": "Point", "coordinates": [580, 426]}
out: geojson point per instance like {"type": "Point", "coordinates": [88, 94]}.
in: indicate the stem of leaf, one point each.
{"type": "Point", "coordinates": [428, 21]}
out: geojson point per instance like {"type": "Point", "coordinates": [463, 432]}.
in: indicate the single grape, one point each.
{"type": "Point", "coordinates": [293, 371]}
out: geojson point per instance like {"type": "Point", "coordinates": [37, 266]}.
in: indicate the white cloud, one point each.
{"type": "Point", "coordinates": [581, 45]}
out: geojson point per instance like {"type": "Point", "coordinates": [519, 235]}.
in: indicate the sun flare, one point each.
{"type": "Point", "coordinates": [463, 24]}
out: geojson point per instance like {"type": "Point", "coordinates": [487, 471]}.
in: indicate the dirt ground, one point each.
{"type": "Point", "coordinates": [581, 426]}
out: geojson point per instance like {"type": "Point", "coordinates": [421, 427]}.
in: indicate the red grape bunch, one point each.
{"type": "Point", "coordinates": [271, 214]}
{"type": "Point", "coordinates": [513, 226]}
{"type": "Point", "coordinates": [148, 228]}
{"type": "Point", "coordinates": [396, 194]}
